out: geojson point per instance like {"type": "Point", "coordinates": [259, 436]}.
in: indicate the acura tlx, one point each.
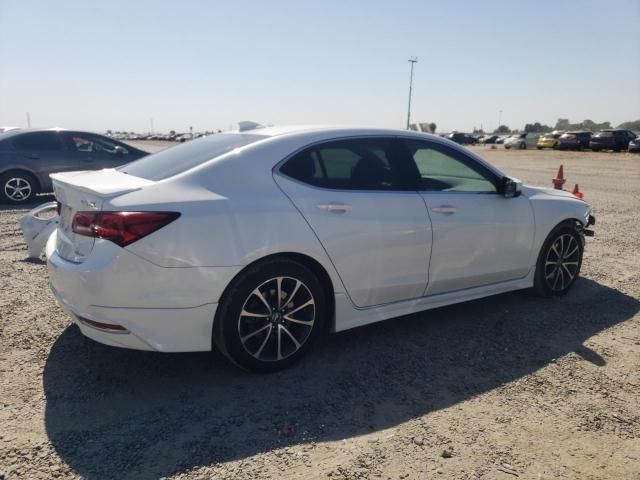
{"type": "Point", "coordinates": [257, 241]}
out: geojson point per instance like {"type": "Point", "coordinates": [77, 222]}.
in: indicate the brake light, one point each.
{"type": "Point", "coordinates": [121, 228]}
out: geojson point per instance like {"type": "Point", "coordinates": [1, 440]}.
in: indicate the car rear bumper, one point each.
{"type": "Point", "coordinates": [162, 309]}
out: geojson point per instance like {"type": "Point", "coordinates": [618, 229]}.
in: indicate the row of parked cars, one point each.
{"type": "Point", "coordinates": [614, 139]}
{"type": "Point", "coordinates": [169, 137]}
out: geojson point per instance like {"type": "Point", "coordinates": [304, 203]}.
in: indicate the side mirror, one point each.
{"type": "Point", "coordinates": [119, 151]}
{"type": "Point", "coordinates": [511, 187]}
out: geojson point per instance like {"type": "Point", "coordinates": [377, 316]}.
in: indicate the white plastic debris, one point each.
{"type": "Point", "coordinates": [37, 229]}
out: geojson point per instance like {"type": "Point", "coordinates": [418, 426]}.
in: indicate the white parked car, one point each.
{"type": "Point", "coordinates": [518, 140]}
{"type": "Point", "coordinates": [256, 241]}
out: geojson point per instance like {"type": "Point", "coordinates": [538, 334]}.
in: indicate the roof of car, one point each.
{"type": "Point", "coordinates": [278, 130]}
{"type": "Point", "coordinates": [20, 131]}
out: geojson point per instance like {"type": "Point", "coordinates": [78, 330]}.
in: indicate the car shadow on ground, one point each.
{"type": "Point", "coordinates": [113, 413]}
{"type": "Point", "coordinates": [31, 204]}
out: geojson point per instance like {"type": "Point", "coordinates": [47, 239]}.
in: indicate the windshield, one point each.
{"type": "Point", "coordinates": [604, 134]}
{"type": "Point", "coordinates": [175, 160]}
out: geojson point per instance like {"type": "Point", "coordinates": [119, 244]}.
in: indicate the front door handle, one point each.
{"type": "Point", "coordinates": [444, 209]}
{"type": "Point", "coordinates": [335, 207]}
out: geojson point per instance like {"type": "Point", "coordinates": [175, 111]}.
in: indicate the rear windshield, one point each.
{"type": "Point", "coordinates": [604, 134]}
{"type": "Point", "coordinates": [568, 135]}
{"type": "Point", "coordinates": [181, 158]}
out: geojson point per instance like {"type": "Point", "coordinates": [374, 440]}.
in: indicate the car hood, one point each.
{"type": "Point", "coordinates": [531, 191]}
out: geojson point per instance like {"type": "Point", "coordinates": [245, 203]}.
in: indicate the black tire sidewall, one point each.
{"type": "Point", "coordinates": [226, 336]}
{"type": "Point", "coordinates": [540, 283]}
{"type": "Point", "coordinates": [4, 178]}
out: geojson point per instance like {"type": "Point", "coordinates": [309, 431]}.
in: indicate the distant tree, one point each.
{"type": "Point", "coordinates": [564, 124]}
{"type": "Point", "coordinates": [172, 132]}
{"type": "Point", "coordinates": [432, 126]}
{"type": "Point", "coordinates": [633, 125]}
{"type": "Point", "coordinates": [537, 128]}
{"type": "Point", "coordinates": [109, 132]}
{"type": "Point", "coordinates": [502, 129]}
{"type": "Point", "coordinates": [478, 130]}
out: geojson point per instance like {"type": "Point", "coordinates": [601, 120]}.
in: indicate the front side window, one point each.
{"type": "Point", "coordinates": [352, 164]}
{"type": "Point", "coordinates": [446, 170]}
{"type": "Point", "coordinates": [84, 142]}
{"type": "Point", "coordinates": [38, 142]}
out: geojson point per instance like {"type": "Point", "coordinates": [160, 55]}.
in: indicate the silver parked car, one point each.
{"type": "Point", "coordinates": [28, 156]}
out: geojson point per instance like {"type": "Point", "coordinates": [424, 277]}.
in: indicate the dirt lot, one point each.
{"type": "Point", "coordinates": [505, 387]}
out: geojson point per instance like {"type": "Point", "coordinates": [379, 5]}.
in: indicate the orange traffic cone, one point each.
{"type": "Point", "coordinates": [559, 181]}
{"type": "Point", "coordinates": [577, 192]}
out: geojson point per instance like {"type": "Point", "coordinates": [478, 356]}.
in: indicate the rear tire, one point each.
{"type": "Point", "coordinates": [270, 315]}
{"type": "Point", "coordinates": [17, 187]}
{"type": "Point", "coordinates": [559, 261]}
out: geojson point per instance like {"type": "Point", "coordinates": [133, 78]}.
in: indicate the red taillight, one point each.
{"type": "Point", "coordinates": [122, 228]}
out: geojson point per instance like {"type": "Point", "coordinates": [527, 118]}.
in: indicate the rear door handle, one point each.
{"type": "Point", "coordinates": [444, 209]}
{"type": "Point", "coordinates": [334, 207]}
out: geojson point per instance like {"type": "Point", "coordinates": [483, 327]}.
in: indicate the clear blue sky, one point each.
{"type": "Point", "coordinates": [116, 64]}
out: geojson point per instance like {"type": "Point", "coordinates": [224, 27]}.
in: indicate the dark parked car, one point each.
{"type": "Point", "coordinates": [574, 141]}
{"type": "Point", "coordinates": [489, 139]}
{"type": "Point", "coordinates": [27, 157]}
{"type": "Point", "coordinates": [611, 139]}
{"type": "Point", "coordinates": [634, 145]}
{"type": "Point", "coordinates": [462, 138]}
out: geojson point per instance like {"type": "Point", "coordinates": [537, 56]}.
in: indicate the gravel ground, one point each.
{"type": "Point", "coordinates": [504, 387]}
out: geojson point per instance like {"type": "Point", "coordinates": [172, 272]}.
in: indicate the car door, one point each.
{"type": "Point", "coordinates": [479, 236]}
{"type": "Point", "coordinates": [354, 195]}
{"type": "Point", "coordinates": [41, 152]}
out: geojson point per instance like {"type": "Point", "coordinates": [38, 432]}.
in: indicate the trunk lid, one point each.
{"type": "Point", "coordinates": [86, 191]}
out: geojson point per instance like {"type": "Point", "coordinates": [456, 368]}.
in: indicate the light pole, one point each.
{"type": "Point", "coordinates": [412, 61]}
{"type": "Point", "coordinates": [499, 118]}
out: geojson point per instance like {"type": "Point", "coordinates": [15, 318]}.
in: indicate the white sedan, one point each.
{"type": "Point", "coordinates": [256, 241]}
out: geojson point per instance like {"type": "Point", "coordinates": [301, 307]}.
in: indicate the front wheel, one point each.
{"type": "Point", "coordinates": [559, 261]}
{"type": "Point", "coordinates": [270, 315]}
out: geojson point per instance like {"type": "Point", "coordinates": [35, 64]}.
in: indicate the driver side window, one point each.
{"type": "Point", "coordinates": [86, 143]}
{"type": "Point", "coordinates": [446, 170]}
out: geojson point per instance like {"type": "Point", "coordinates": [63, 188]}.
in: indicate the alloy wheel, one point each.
{"type": "Point", "coordinates": [276, 319]}
{"type": "Point", "coordinates": [562, 262]}
{"type": "Point", "coordinates": [17, 189]}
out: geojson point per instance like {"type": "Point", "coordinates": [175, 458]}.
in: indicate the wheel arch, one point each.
{"type": "Point", "coordinates": [309, 262]}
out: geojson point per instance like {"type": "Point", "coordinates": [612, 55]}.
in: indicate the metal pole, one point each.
{"type": "Point", "coordinates": [412, 61]}
{"type": "Point", "coordinates": [499, 118]}
{"type": "Point", "coordinates": [28, 120]}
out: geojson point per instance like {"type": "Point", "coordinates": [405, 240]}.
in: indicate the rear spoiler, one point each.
{"type": "Point", "coordinates": [103, 183]}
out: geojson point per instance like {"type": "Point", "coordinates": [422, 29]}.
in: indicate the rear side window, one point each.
{"type": "Point", "coordinates": [181, 158]}
{"type": "Point", "coordinates": [353, 164]}
{"type": "Point", "coordinates": [38, 142]}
